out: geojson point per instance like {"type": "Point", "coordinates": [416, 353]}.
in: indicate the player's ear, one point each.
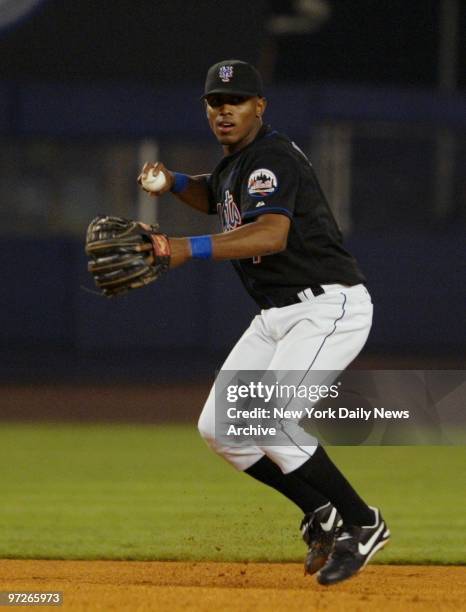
{"type": "Point", "coordinates": [261, 105]}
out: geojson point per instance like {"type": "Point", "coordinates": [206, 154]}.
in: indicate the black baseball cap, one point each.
{"type": "Point", "coordinates": [233, 77]}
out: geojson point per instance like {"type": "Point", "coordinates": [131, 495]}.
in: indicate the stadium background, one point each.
{"type": "Point", "coordinates": [375, 94]}
{"type": "Point", "coordinates": [86, 94]}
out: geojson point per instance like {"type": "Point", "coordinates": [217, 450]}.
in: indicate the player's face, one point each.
{"type": "Point", "coordinates": [235, 120]}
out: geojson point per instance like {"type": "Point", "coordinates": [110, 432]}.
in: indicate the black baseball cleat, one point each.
{"type": "Point", "coordinates": [318, 530]}
{"type": "Point", "coordinates": [353, 548]}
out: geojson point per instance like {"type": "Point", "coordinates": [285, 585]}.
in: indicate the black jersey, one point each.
{"type": "Point", "coordinates": [272, 175]}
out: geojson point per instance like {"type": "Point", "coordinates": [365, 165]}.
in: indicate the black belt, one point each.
{"type": "Point", "coordinates": [280, 302]}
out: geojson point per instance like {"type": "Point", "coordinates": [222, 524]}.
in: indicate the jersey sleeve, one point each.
{"type": "Point", "coordinates": [212, 210]}
{"type": "Point", "coordinates": [270, 186]}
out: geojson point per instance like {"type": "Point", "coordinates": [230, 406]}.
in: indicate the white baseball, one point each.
{"type": "Point", "coordinates": [154, 182]}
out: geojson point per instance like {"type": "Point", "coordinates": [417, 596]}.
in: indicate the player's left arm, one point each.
{"type": "Point", "coordinates": [267, 206]}
{"type": "Point", "coordinates": [126, 254]}
{"type": "Point", "coordinates": [266, 235]}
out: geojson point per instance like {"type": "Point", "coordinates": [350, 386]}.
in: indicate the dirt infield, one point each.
{"type": "Point", "coordinates": [173, 586]}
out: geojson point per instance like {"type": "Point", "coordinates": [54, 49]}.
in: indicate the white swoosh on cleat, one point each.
{"type": "Point", "coordinates": [365, 548]}
{"type": "Point", "coordinates": [327, 526]}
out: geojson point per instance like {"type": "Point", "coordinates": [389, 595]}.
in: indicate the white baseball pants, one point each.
{"type": "Point", "coordinates": [321, 333]}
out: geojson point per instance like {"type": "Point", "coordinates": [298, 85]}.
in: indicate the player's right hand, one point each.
{"type": "Point", "coordinates": [156, 167]}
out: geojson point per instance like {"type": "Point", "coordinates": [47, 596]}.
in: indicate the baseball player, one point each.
{"type": "Point", "coordinates": [316, 312]}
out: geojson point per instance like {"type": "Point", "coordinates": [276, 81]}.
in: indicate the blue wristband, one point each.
{"type": "Point", "coordinates": [181, 182]}
{"type": "Point", "coordinates": [201, 247]}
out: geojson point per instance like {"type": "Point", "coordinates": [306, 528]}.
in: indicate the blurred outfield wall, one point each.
{"type": "Point", "coordinates": [392, 164]}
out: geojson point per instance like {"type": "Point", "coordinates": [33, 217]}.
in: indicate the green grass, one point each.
{"type": "Point", "coordinates": [153, 492]}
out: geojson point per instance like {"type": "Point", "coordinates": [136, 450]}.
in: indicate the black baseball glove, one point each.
{"type": "Point", "coordinates": [125, 254]}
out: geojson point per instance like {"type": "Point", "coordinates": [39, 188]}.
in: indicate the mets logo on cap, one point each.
{"type": "Point", "coordinates": [262, 183]}
{"type": "Point", "coordinates": [225, 73]}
